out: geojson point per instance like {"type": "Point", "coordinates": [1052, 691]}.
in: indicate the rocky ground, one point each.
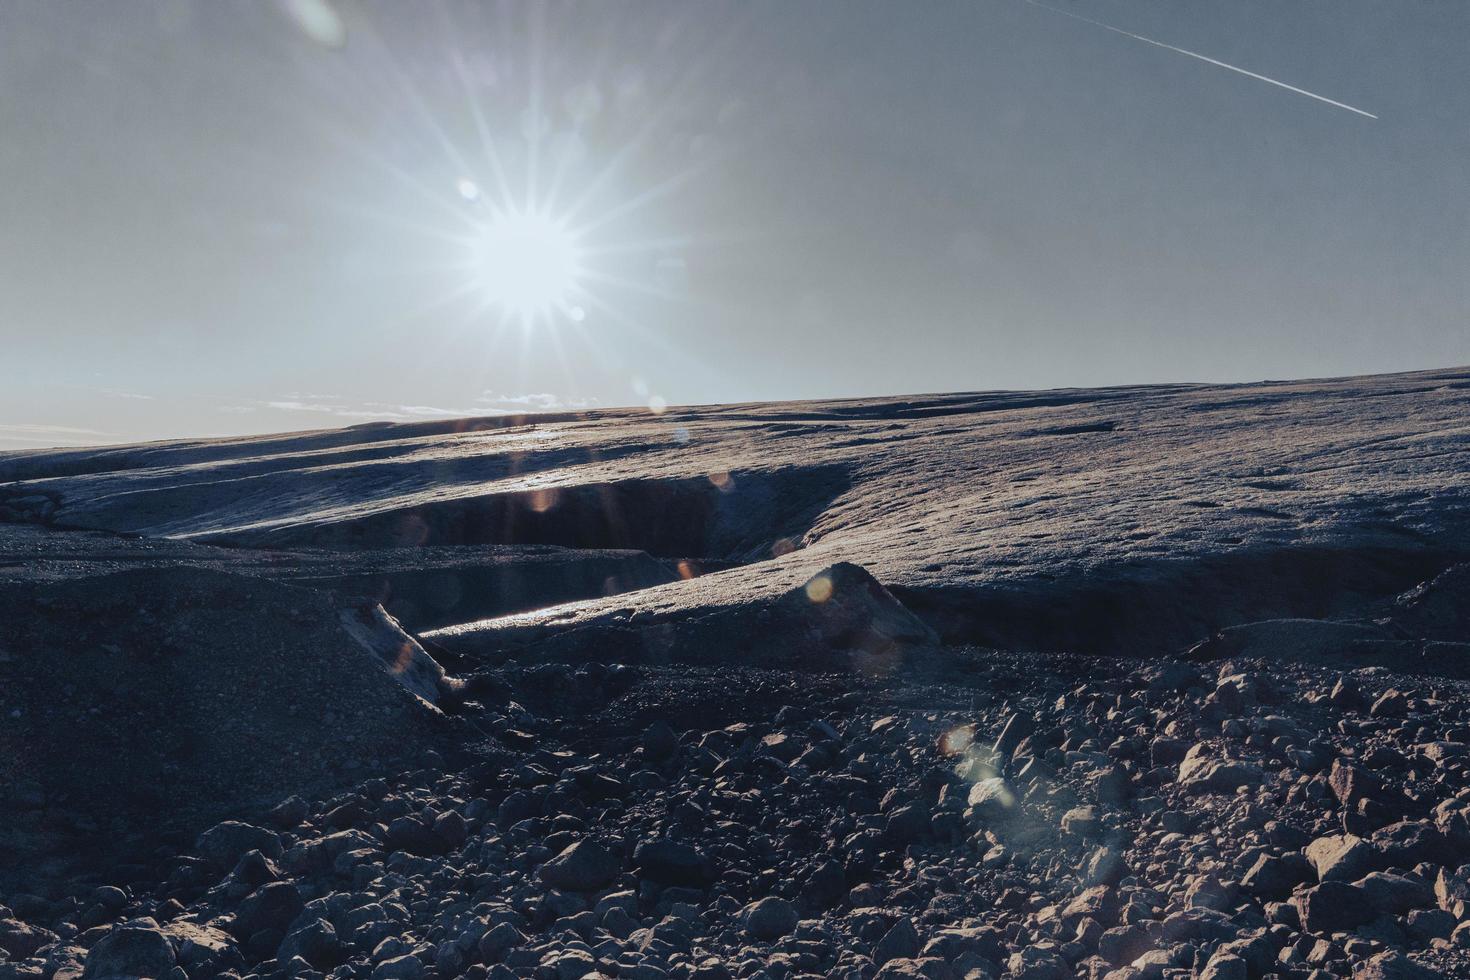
{"type": "Point", "coordinates": [752, 691]}
{"type": "Point", "coordinates": [996, 816]}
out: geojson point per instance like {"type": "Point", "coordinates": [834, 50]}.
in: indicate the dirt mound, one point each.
{"type": "Point", "coordinates": [1438, 609]}
{"type": "Point", "coordinates": [841, 618]}
{"type": "Point", "coordinates": [151, 697]}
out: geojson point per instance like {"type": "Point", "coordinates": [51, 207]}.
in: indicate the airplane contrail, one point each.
{"type": "Point", "coordinates": [1201, 57]}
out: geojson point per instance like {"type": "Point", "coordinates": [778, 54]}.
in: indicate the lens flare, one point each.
{"type": "Point", "coordinates": [957, 740]}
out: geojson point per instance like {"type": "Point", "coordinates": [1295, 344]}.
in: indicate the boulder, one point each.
{"type": "Point", "coordinates": [1082, 821]}
{"type": "Point", "coordinates": [1340, 857]}
{"type": "Point", "coordinates": [135, 949]}
{"type": "Point", "coordinates": [582, 867]}
{"type": "Point", "coordinates": [1225, 967]}
{"type": "Point", "coordinates": [899, 942]}
{"type": "Point", "coordinates": [1333, 906]}
{"type": "Point", "coordinates": [770, 918]}
{"type": "Point", "coordinates": [1391, 894]}
{"type": "Point", "coordinates": [315, 942]}
{"type": "Point", "coordinates": [1394, 965]}
{"type": "Point", "coordinates": [225, 843]}
{"type": "Point", "coordinates": [1452, 891]}
{"type": "Point", "coordinates": [21, 939]}
{"type": "Point", "coordinates": [1273, 878]}
{"type": "Point", "coordinates": [991, 799]}
{"type": "Point", "coordinates": [672, 863]}
{"type": "Point", "coordinates": [270, 908]}
{"type": "Point", "coordinates": [1202, 770]}
{"type": "Point", "coordinates": [844, 607]}
{"type": "Point", "coordinates": [1351, 783]}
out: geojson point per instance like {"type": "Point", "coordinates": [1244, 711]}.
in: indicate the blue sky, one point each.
{"type": "Point", "coordinates": [243, 218]}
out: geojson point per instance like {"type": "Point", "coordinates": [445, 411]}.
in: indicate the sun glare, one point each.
{"type": "Point", "coordinates": [528, 264]}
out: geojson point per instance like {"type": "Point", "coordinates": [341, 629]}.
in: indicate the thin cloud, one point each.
{"type": "Point", "coordinates": [1205, 58]}
{"type": "Point", "coordinates": [488, 403]}
{"type": "Point", "coordinates": [48, 435]}
{"type": "Point", "coordinates": [131, 395]}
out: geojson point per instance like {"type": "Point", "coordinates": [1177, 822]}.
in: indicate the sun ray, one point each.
{"type": "Point", "coordinates": [537, 253]}
{"type": "Point", "coordinates": [426, 116]}
{"type": "Point", "coordinates": [440, 201]}
{"type": "Point", "coordinates": [482, 128]}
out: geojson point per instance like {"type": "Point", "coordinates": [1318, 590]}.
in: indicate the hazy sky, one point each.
{"type": "Point", "coordinates": [231, 217]}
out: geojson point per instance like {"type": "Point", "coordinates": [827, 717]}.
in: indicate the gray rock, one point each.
{"type": "Point", "coordinates": [269, 907]}
{"type": "Point", "coordinates": [1333, 906]}
{"type": "Point", "coordinates": [1225, 967]}
{"type": "Point", "coordinates": [903, 968]}
{"type": "Point", "coordinates": [498, 940]}
{"type": "Point", "coordinates": [573, 964]}
{"type": "Point", "coordinates": [315, 942]}
{"type": "Point", "coordinates": [660, 741]}
{"type": "Point", "coordinates": [1106, 866]}
{"type": "Point", "coordinates": [110, 897]}
{"type": "Point", "coordinates": [137, 949]}
{"type": "Point", "coordinates": [900, 942]}
{"type": "Point", "coordinates": [583, 867]}
{"type": "Point", "coordinates": [991, 799]}
{"type": "Point", "coordinates": [1038, 963]}
{"type": "Point", "coordinates": [770, 918]}
{"type": "Point", "coordinates": [1452, 891]}
{"type": "Point", "coordinates": [672, 863]}
{"type": "Point", "coordinates": [1099, 903]}
{"type": "Point", "coordinates": [1340, 857]}
{"type": "Point", "coordinates": [907, 824]}
{"type": "Point", "coordinates": [1207, 892]}
{"type": "Point", "coordinates": [1351, 783]}
{"type": "Point", "coordinates": [1392, 894]}
{"type": "Point", "coordinates": [406, 967]}
{"type": "Point", "coordinates": [1081, 821]}
{"type": "Point", "coordinates": [224, 843]}
{"type": "Point", "coordinates": [20, 939]}
{"type": "Point", "coordinates": [411, 834]}
{"type": "Point", "coordinates": [1273, 878]}
{"type": "Point", "coordinates": [289, 813]}
{"type": "Point", "coordinates": [1427, 924]}
{"type": "Point", "coordinates": [1203, 771]}
{"type": "Point", "coordinates": [1394, 965]}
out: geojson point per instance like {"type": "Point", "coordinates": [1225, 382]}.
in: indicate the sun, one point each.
{"type": "Point", "coordinates": [528, 264]}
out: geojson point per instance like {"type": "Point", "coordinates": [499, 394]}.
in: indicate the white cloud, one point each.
{"type": "Point", "coordinates": [340, 408]}
{"type": "Point", "coordinates": [538, 401]}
